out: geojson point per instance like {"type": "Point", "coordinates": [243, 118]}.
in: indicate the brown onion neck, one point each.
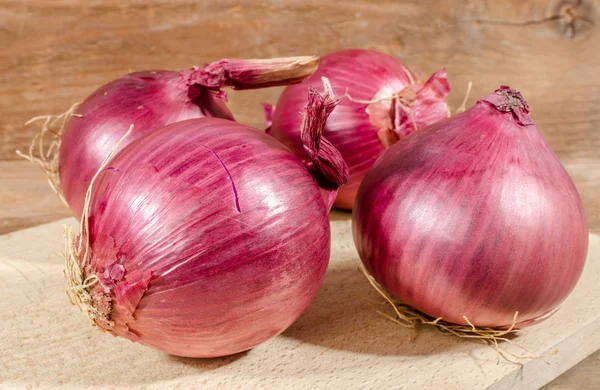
{"type": "Point", "coordinates": [244, 74]}
{"type": "Point", "coordinates": [508, 100]}
{"type": "Point", "coordinates": [208, 102]}
{"type": "Point", "coordinates": [327, 164]}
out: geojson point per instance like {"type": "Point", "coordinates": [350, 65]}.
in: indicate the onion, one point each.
{"type": "Point", "coordinates": [206, 237]}
{"type": "Point", "coordinates": [474, 217]}
{"type": "Point", "coordinates": [384, 102]}
{"type": "Point", "coordinates": [152, 99]}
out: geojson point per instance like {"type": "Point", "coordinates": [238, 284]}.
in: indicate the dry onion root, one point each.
{"type": "Point", "coordinates": [410, 318]}
{"type": "Point", "coordinates": [79, 281]}
{"type": "Point", "coordinates": [463, 105]}
{"type": "Point", "coordinates": [45, 146]}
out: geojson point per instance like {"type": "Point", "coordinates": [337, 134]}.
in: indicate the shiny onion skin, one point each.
{"type": "Point", "coordinates": [474, 216]}
{"type": "Point", "coordinates": [363, 125]}
{"type": "Point", "coordinates": [208, 237]}
{"type": "Point", "coordinates": [152, 99]}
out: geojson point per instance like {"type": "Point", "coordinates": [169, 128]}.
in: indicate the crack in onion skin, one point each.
{"type": "Point", "coordinates": [474, 216]}
{"type": "Point", "coordinates": [355, 128]}
{"type": "Point", "coordinates": [220, 225]}
{"type": "Point", "coordinates": [152, 99]}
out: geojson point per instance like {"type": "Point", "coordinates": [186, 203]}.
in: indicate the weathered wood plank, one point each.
{"type": "Point", "coordinates": [56, 52]}
{"type": "Point", "coordinates": [339, 342]}
{"type": "Point", "coordinates": [26, 198]}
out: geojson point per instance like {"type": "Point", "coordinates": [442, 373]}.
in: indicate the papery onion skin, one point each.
{"type": "Point", "coordinates": [152, 99]}
{"type": "Point", "coordinates": [474, 216]}
{"type": "Point", "coordinates": [148, 100]}
{"type": "Point", "coordinates": [221, 279]}
{"type": "Point", "coordinates": [208, 237]}
{"type": "Point", "coordinates": [359, 130]}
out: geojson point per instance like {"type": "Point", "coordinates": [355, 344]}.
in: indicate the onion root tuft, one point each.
{"type": "Point", "coordinates": [80, 281]}
{"type": "Point", "coordinates": [44, 155]}
{"type": "Point", "coordinates": [410, 318]}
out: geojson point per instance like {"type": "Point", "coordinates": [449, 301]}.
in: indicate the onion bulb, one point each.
{"type": "Point", "coordinates": [474, 218]}
{"type": "Point", "coordinates": [206, 237]}
{"type": "Point", "coordinates": [151, 99]}
{"type": "Point", "coordinates": [382, 102]}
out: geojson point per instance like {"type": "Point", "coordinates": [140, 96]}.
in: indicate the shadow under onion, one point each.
{"type": "Point", "coordinates": [344, 317]}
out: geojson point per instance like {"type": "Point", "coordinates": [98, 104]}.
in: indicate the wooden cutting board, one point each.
{"type": "Point", "coordinates": [339, 342]}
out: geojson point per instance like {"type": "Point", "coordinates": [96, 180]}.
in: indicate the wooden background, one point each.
{"type": "Point", "coordinates": [56, 52]}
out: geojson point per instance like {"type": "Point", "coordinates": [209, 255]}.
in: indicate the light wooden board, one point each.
{"type": "Point", "coordinates": [340, 341]}
{"type": "Point", "coordinates": [56, 52]}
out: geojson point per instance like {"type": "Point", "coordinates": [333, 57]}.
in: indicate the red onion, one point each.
{"type": "Point", "coordinates": [152, 99]}
{"type": "Point", "coordinates": [207, 237]}
{"type": "Point", "coordinates": [474, 216]}
{"type": "Point", "coordinates": [384, 102]}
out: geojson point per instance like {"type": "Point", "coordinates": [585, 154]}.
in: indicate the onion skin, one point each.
{"type": "Point", "coordinates": [359, 130]}
{"type": "Point", "coordinates": [474, 216]}
{"type": "Point", "coordinates": [219, 280]}
{"type": "Point", "coordinates": [209, 237]}
{"type": "Point", "coordinates": [148, 100]}
{"type": "Point", "coordinates": [152, 99]}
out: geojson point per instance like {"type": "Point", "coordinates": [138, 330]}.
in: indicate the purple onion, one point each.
{"type": "Point", "coordinates": [207, 237]}
{"type": "Point", "coordinates": [474, 217]}
{"type": "Point", "coordinates": [382, 102]}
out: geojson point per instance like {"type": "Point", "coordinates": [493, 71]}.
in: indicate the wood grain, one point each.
{"type": "Point", "coordinates": [26, 198]}
{"type": "Point", "coordinates": [56, 52]}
